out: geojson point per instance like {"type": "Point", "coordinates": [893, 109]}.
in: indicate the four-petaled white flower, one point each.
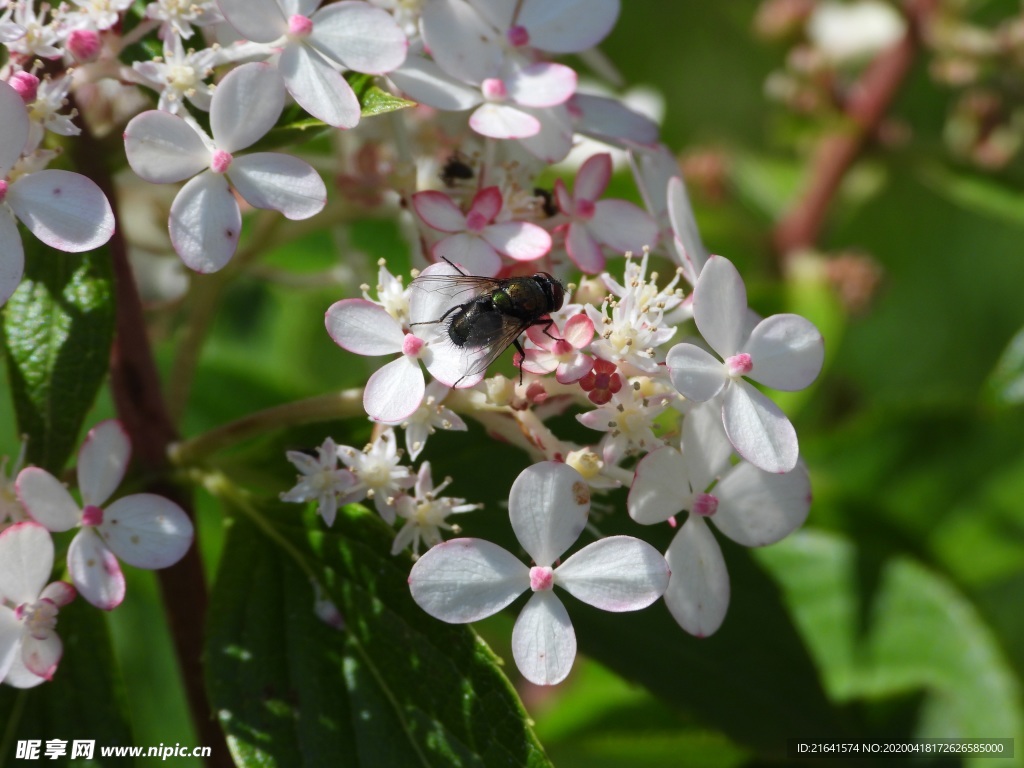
{"type": "Point", "coordinates": [205, 218]}
{"type": "Point", "coordinates": [750, 506]}
{"type": "Point", "coordinates": [466, 580]}
{"type": "Point", "coordinates": [143, 529]}
{"type": "Point", "coordinates": [321, 480]}
{"type": "Point", "coordinates": [561, 353]}
{"type": "Point", "coordinates": [30, 648]}
{"type": "Point", "coordinates": [380, 473]}
{"type": "Point", "coordinates": [425, 513]}
{"type": "Point", "coordinates": [65, 210]}
{"type": "Point", "coordinates": [782, 352]}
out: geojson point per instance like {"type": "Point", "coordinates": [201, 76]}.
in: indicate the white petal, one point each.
{"type": "Point", "coordinates": [394, 392]}
{"type": "Point", "coordinates": [593, 177]}
{"type": "Point", "coordinates": [543, 640]}
{"type": "Point", "coordinates": [554, 139]}
{"type": "Point", "coordinates": [707, 452]}
{"type": "Point", "coordinates": [471, 252]}
{"type": "Point", "coordinates": [95, 571]}
{"type": "Point", "coordinates": [692, 252]}
{"type": "Point", "coordinates": [319, 88]}
{"type": "Point", "coordinates": [41, 656]}
{"type": "Point", "coordinates": [261, 21]}
{"type": "Point", "coordinates": [424, 81]}
{"type": "Point", "coordinates": [10, 640]}
{"type": "Point", "coordinates": [548, 507]}
{"type": "Point", "coordinates": [698, 590]}
{"type": "Point", "coordinates": [720, 306]}
{"type": "Point", "coordinates": [360, 37]}
{"type": "Point", "coordinates": [519, 240]}
{"type": "Point", "coordinates": [205, 223]}
{"type": "Point", "coordinates": [758, 429]}
{"type": "Point", "coordinates": [569, 26]}
{"type": "Point", "coordinates": [660, 487]}
{"type": "Point", "coordinates": [279, 182]}
{"type": "Point", "coordinates": [461, 42]}
{"type": "Point", "coordinates": [787, 352]}
{"type": "Point", "coordinates": [622, 226]}
{"type": "Point", "coordinates": [246, 105]}
{"type": "Point", "coordinates": [612, 122]}
{"type": "Point", "coordinates": [14, 125]}
{"type": "Point", "coordinates": [583, 249]}
{"type": "Point", "coordinates": [102, 461]}
{"type": "Point", "coordinates": [162, 148]}
{"type": "Point", "coordinates": [363, 327]}
{"type": "Point", "coordinates": [26, 559]}
{"type": "Point", "coordinates": [47, 500]}
{"type": "Point", "coordinates": [500, 121]}
{"type": "Point", "coordinates": [695, 372]}
{"type": "Point", "coordinates": [756, 508]}
{"type": "Point", "coordinates": [439, 211]}
{"type": "Point", "coordinates": [465, 580]}
{"type": "Point", "coordinates": [12, 255]}
{"type": "Point", "coordinates": [543, 84]}
{"type": "Point", "coordinates": [426, 304]}
{"type": "Point", "coordinates": [616, 573]}
{"type": "Point", "coordinates": [60, 593]}
{"type": "Point", "coordinates": [448, 363]}
{"type": "Point", "coordinates": [18, 676]}
{"type": "Point", "coordinates": [65, 210]}
{"type": "Point", "coordinates": [146, 530]}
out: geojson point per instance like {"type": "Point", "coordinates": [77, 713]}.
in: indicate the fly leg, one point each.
{"type": "Point", "coordinates": [522, 357]}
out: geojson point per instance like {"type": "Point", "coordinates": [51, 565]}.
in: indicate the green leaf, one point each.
{"type": "Point", "coordinates": [373, 99]}
{"type": "Point", "coordinates": [396, 687]}
{"type": "Point", "coordinates": [85, 700]}
{"type": "Point", "coordinates": [980, 194]}
{"type": "Point", "coordinates": [57, 333]}
{"type": "Point", "coordinates": [1005, 385]}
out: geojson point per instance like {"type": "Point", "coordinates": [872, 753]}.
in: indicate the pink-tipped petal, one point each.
{"type": "Point", "coordinates": [720, 306]}
{"type": "Point", "coordinates": [583, 249]}
{"type": "Point", "coordinates": [438, 211]}
{"type": "Point", "coordinates": [261, 21]}
{"type": "Point", "coordinates": [163, 149]}
{"type": "Point", "coordinates": [42, 655]}
{"type": "Point", "coordinates": [578, 331]}
{"type": "Point", "coordinates": [622, 226]}
{"type": "Point", "coordinates": [95, 571]}
{"type": "Point", "coordinates": [394, 392]}
{"type": "Point", "coordinates": [246, 105]}
{"type": "Point", "coordinates": [500, 121]}
{"type": "Point", "coordinates": [592, 178]}
{"type": "Point", "coordinates": [205, 223]}
{"type": "Point", "coordinates": [60, 593]}
{"type": "Point", "coordinates": [65, 210]}
{"type": "Point", "coordinates": [616, 573]}
{"type": "Point", "coordinates": [698, 590]}
{"type": "Point", "coordinates": [466, 580]}
{"type": "Point", "coordinates": [359, 36]}
{"type": "Point", "coordinates": [461, 42]}
{"type": "Point", "coordinates": [573, 370]}
{"type": "Point", "coordinates": [486, 203]}
{"type": "Point", "coordinates": [788, 352]}
{"type": "Point", "coordinates": [26, 559]}
{"type": "Point", "coordinates": [102, 461]}
{"type": "Point", "coordinates": [362, 327]}
{"type": "Point", "coordinates": [319, 88]}
{"type": "Point", "coordinates": [660, 488]}
{"type": "Point", "coordinates": [548, 507]}
{"type": "Point", "coordinates": [570, 26]}
{"type": "Point", "coordinates": [694, 372]}
{"type": "Point", "coordinates": [542, 85]}
{"type": "Point", "coordinates": [756, 508]}
{"type": "Point", "coordinates": [14, 125]}
{"type": "Point", "coordinates": [543, 640]}
{"type": "Point", "coordinates": [279, 182]}
{"type": "Point", "coordinates": [18, 676]}
{"type": "Point", "coordinates": [758, 429]}
{"type": "Point", "coordinates": [12, 255]}
{"type": "Point", "coordinates": [519, 240]}
{"type": "Point", "coordinates": [474, 253]}
{"type": "Point", "coordinates": [146, 530]}
{"type": "Point", "coordinates": [47, 500]}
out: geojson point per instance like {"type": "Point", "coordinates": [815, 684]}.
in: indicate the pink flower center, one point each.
{"type": "Point", "coordinates": [92, 515]}
{"type": "Point", "coordinates": [542, 578]}
{"type": "Point", "coordinates": [705, 505]}
{"type": "Point", "coordinates": [221, 161]}
{"type": "Point", "coordinates": [84, 44]}
{"type": "Point", "coordinates": [562, 347]}
{"type": "Point", "coordinates": [494, 89]}
{"type": "Point", "coordinates": [26, 85]}
{"type": "Point", "coordinates": [739, 365]}
{"type": "Point", "coordinates": [475, 221]}
{"type": "Point", "coordinates": [518, 36]}
{"type": "Point", "coordinates": [585, 209]}
{"type": "Point", "coordinates": [3, 190]}
{"type": "Point", "coordinates": [300, 26]}
{"type": "Point", "coordinates": [411, 345]}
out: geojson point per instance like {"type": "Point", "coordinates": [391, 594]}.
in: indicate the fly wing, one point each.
{"type": "Point", "coordinates": [486, 350]}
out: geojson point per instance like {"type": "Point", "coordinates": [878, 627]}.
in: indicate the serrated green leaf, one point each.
{"type": "Point", "coordinates": [396, 687]}
{"type": "Point", "coordinates": [57, 331]}
{"type": "Point", "coordinates": [85, 700]}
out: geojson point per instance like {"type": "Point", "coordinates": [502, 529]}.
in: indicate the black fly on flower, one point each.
{"type": "Point", "coordinates": [483, 316]}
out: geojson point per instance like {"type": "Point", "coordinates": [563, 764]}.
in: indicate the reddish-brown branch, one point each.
{"type": "Point", "coordinates": [865, 108]}
{"type": "Point", "coordinates": [135, 384]}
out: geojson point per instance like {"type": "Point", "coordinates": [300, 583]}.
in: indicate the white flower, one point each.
{"type": "Point", "coordinates": [205, 220]}
{"type": "Point", "coordinates": [391, 294]}
{"type": "Point", "coordinates": [180, 75]}
{"type": "Point", "coordinates": [29, 35]}
{"type": "Point", "coordinates": [854, 31]}
{"type": "Point", "coordinates": [143, 529]}
{"type": "Point", "coordinates": [425, 513]}
{"type": "Point", "coordinates": [178, 16]}
{"type": "Point", "coordinates": [30, 648]}
{"type": "Point", "coordinates": [466, 580]}
{"type": "Point", "coordinates": [100, 14]}
{"type": "Point", "coordinates": [750, 506]}
{"type": "Point", "coordinates": [380, 473]}
{"type": "Point", "coordinates": [65, 210]}
{"type": "Point", "coordinates": [782, 352]}
{"type": "Point", "coordinates": [45, 111]}
{"type": "Point", "coordinates": [428, 418]}
{"type": "Point", "coordinates": [627, 420]}
{"type": "Point", "coordinates": [321, 480]}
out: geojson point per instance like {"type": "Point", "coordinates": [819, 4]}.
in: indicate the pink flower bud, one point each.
{"type": "Point", "coordinates": [518, 36]}
{"type": "Point", "coordinates": [84, 44]}
{"type": "Point", "coordinates": [26, 84]}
